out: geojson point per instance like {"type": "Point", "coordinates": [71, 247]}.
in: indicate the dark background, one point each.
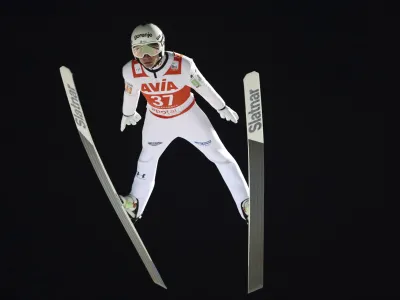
{"type": "Point", "coordinates": [325, 234]}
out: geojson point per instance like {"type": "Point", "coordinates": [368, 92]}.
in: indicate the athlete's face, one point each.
{"type": "Point", "coordinates": [149, 61]}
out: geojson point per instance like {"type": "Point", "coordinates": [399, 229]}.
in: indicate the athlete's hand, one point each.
{"type": "Point", "coordinates": [228, 114]}
{"type": "Point", "coordinates": [130, 120]}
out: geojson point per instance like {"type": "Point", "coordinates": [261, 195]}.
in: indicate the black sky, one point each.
{"type": "Point", "coordinates": [324, 146]}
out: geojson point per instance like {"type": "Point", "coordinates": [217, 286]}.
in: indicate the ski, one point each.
{"type": "Point", "coordinates": [84, 134]}
{"type": "Point", "coordinates": [255, 144]}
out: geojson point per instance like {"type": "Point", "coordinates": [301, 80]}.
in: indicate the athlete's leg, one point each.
{"type": "Point", "coordinates": [156, 136]}
{"type": "Point", "coordinates": [204, 137]}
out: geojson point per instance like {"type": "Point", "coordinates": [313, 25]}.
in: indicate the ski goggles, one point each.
{"type": "Point", "coordinates": [149, 49]}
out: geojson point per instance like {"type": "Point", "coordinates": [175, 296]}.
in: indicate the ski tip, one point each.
{"type": "Point", "coordinates": [64, 68]}
{"type": "Point", "coordinates": [251, 74]}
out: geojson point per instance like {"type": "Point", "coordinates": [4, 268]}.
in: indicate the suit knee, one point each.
{"type": "Point", "coordinates": [219, 156]}
{"type": "Point", "coordinates": [146, 155]}
{"type": "Point", "coordinates": [151, 153]}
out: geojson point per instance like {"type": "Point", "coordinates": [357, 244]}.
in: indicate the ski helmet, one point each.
{"type": "Point", "coordinates": [147, 39]}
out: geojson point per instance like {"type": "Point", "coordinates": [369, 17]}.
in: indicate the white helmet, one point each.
{"type": "Point", "coordinates": [147, 39]}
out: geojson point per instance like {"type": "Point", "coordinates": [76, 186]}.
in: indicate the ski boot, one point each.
{"type": "Point", "coordinates": [131, 206]}
{"type": "Point", "coordinates": [245, 205]}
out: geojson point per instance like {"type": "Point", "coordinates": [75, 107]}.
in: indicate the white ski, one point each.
{"type": "Point", "coordinates": [255, 143]}
{"type": "Point", "coordinates": [91, 150]}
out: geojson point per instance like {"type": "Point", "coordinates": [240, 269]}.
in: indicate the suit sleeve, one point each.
{"type": "Point", "coordinates": [200, 84]}
{"type": "Point", "coordinates": [131, 94]}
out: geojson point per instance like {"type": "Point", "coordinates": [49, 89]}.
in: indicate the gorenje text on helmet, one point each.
{"type": "Point", "coordinates": [148, 34]}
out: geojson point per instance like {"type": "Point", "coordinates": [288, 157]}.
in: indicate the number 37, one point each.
{"type": "Point", "coordinates": [158, 100]}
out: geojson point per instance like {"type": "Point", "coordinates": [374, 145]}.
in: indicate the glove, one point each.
{"type": "Point", "coordinates": [228, 114]}
{"type": "Point", "coordinates": [130, 120]}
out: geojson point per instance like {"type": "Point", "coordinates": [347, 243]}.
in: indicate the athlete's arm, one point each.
{"type": "Point", "coordinates": [200, 84]}
{"type": "Point", "coordinates": [131, 93]}
{"type": "Point", "coordinates": [204, 88]}
{"type": "Point", "coordinates": [130, 101]}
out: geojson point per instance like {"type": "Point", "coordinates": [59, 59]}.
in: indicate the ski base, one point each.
{"type": "Point", "coordinates": [98, 166]}
{"type": "Point", "coordinates": [255, 140]}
